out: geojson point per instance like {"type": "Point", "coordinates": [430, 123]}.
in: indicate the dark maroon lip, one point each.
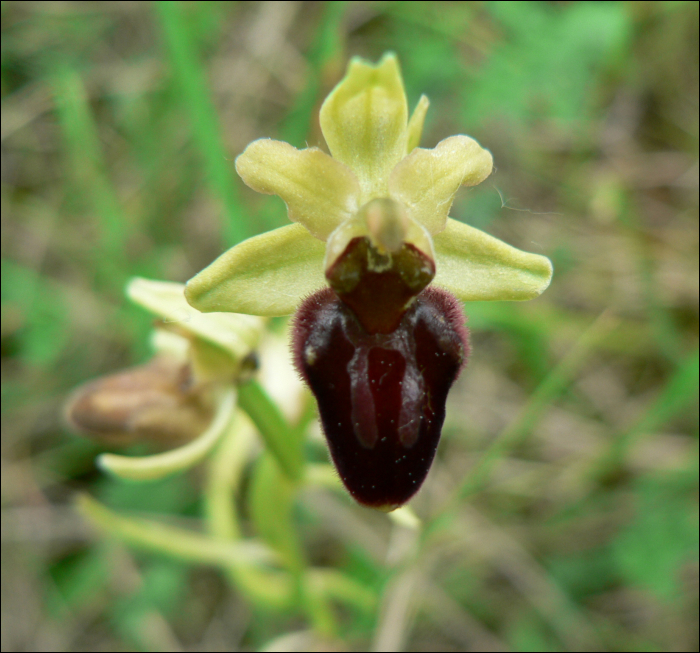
{"type": "Point", "coordinates": [381, 396]}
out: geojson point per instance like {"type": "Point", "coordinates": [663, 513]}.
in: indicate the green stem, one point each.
{"type": "Point", "coordinates": [90, 172]}
{"type": "Point", "coordinates": [224, 476]}
{"type": "Point", "coordinates": [283, 442]}
{"type": "Point", "coordinates": [271, 505]}
{"type": "Point", "coordinates": [223, 479]}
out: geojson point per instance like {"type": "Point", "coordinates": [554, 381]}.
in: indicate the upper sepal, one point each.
{"type": "Point", "coordinates": [364, 121]}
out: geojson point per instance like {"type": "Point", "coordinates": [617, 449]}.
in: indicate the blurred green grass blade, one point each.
{"type": "Point", "coordinates": [85, 154]}
{"type": "Point", "coordinates": [529, 634]}
{"type": "Point", "coordinates": [652, 550]}
{"type": "Point", "coordinates": [191, 79]}
{"type": "Point", "coordinates": [77, 581]}
{"type": "Point", "coordinates": [660, 318]}
{"type": "Point", "coordinates": [680, 392]}
{"type": "Point", "coordinates": [42, 313]}
{"type": "Point", "coordinates": [552, 386]}
{"type": "Point", "coordinates": [162, 589]}
{"type": "Point", "coordinates": [663, 328]}
{"type": "Point", "coordinates": [522, 70]}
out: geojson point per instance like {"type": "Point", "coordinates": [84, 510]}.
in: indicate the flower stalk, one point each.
{"type": "Point", "coordinates": [284, 442]}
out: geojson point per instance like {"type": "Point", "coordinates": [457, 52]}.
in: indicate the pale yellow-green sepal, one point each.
{"type": "Point", "coordinates": [364, 122]}
{"type": "Point", "coordinates": [148, 468]}
{"type": "Point", "coordinates": [478, 267]}
{"type": "Point", "coordinates": [415, 124]}
{"type": "Point", "coordinates": [426, 181]}
{"type": "Point", "coordinates": [236, 334]}
{"type": "Point", "coordinates": [319, 191]}
{"type": "Point", "coordinates": [265, 275]}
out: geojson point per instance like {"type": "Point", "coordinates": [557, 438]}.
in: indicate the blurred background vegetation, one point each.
{"type": "Point", "coordinates": [562, 511]}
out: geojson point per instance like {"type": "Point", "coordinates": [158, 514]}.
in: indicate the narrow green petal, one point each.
{"type": "Point", "coordinates": [426, 181]}
{"type": "Point", "coordinates": [478, 267]}
{"type": "Point", "coordinates": [364, 122]}
{"type": "Point", "coordinates": [319, 192]}
{"type": "Point", "coordinates": [267, 275]}
{"type": "Point", "coordinates": [415, 124]}
{"type": "Point", "coordinates": [236, 334]}
{"type": "Point", "coordinates": [148, 468]}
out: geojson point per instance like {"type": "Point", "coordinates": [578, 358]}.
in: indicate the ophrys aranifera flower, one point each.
{"type": "Point", "coordinates": [374, 268]}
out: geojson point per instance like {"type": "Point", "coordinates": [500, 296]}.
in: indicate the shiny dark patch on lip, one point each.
{"type": "Point", "coordinates": [381, 396]}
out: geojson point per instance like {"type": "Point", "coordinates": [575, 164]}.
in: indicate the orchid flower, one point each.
{"type": "Point", "coordinates": [374, 269]}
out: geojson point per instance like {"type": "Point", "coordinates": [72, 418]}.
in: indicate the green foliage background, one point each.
{"type": "Point", "coordinates": [571, 441]}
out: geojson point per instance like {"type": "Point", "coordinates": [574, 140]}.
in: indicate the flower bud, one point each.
{"type": "Point", "coordinates": [155, 402]}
